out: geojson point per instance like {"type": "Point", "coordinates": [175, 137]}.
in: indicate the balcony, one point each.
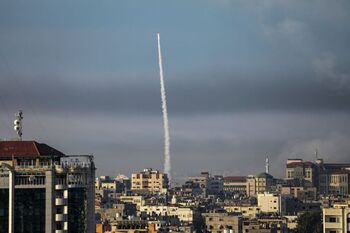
{"type": "Point", "coordinates": [61, 201]}
{"type": "Point", "coordinates": [61, 231]}
{"type": "Point", "coordinates": [60, 186]}
{"type": "Point", "coordinates": [61, 218]}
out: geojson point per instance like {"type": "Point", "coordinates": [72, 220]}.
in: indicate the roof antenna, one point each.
{"type": "Point", "coordinates": [18, 124]}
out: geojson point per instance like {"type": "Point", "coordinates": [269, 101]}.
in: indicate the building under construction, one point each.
{"type": "Point", "coordinates": [44, 190]}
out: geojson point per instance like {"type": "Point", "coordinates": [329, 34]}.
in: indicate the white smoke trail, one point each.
{"type": "Point", "coordinates": [167, 165]}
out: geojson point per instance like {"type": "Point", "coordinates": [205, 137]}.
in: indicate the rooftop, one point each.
{"type": "Point", "coordinates": [29, 149]}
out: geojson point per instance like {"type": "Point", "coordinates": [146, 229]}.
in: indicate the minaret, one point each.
{"type": "Point", "coordinates": [267, 166]}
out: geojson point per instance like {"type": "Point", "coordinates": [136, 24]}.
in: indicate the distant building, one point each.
{"type": "Point", "coordinates": [235, 184]}
{"type": "Point", "coordinates": [202, 180]}
{"type": "Point", "coordinates": [149, 180]}
{"type": "Point", "coordinates": [259, 184]}
{"type": "Point", "coordinates": [335, 182]}
{"type": "Point", "coordinates": [43, 190]}
{"type": "Point", "coordinates": [222, 222]}
{"type": "Point", "coordinates": [184, 214]}
{"type": "Point", "coordinates": [209, 184]}
{"type": "Point", "coordinates": [328, 178]}
{"type": "Point", "coordinates": [302, 193]}
{"type": "Point", "coordinates": [249, 211]}
{"type": "Point", "coordinates": [298, 169]}
{"type": "Point", "coordinates": [271, 203]}
{"type": "Point", "coordinates": [336, 219]}
{"type": "Point", "coordinates": [266, 225]}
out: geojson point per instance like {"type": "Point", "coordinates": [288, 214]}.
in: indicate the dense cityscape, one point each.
{"type": "Point", "coordinates": [44, 190]}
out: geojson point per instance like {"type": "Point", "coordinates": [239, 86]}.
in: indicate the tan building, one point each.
{"type": "Point", "coordinates": [302, 193]}
{"type": "Point", "coordinates": [235, 184]}
{"type": "Point", "coordinates": [259, 184]}
{"type": "Point", "coordinates": [184, 214]}
{"type": "Point", "coordinates": [336, 182]}
{"type": "Point", "coordinates": [271, 203]}
{"type": "Point", "coordinates": [222, 222]}
{"type": "Point", "coordinates": [336, 219]}
{"type": "Point", "coordinates": [249, 211]}
{"type": "Point", "coordinates": [298, 169]}
{"type": "Point", "coordinates": [149, 181]}
{"type": "Point", "coordinates": [137, 200]}
{"type": "Point", "coordinates": [266, 225]}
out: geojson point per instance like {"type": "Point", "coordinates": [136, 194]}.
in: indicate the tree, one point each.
{"type": "Point", "coordinates": [310, 222]}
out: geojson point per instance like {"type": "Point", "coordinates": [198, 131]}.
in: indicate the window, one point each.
{"type": "Point", "coordinates": [332, 219]}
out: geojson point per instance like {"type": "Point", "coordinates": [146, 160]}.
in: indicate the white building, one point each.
{"type": "Point", "coordinates": [184, 214]}
{"type": "Point", "coordinates": [336, 219]}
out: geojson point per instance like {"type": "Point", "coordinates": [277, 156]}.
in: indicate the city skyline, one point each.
{"type": "Point", "coordinates": [244, 81]}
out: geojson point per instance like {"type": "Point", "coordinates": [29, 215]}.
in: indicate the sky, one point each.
{"type": "Point", "coordinates": [244, 80]}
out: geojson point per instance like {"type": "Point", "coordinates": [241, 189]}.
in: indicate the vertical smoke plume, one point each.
{"type": "Point", "coordinates": [167, 166]}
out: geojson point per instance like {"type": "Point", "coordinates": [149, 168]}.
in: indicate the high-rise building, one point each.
{"type": "Point", "coordinates": [44, 190]}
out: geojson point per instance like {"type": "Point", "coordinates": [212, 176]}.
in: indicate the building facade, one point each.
{"type": "Point", "coordinates": [302, 170]}
{"type": "Point", "coordinates": [259, 184]}
{"type": "Point", "coordinates": [149, 180]}
{"type": "Point", "coordinates": [271, 203]}
{"type": "Point", "coordinates": [336, 219]}
{"type": "Point", "coordinates": [235, 184]}
{"type": "Point", "coordinates": [43, 190]}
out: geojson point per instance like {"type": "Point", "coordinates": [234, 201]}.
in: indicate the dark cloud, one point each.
{"type": "Point", "coordinates": [209, 93]}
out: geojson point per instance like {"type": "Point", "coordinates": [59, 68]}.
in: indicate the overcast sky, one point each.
{"type": "Point", "coordinates": [244, 79]}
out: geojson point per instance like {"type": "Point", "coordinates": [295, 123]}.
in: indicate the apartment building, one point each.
{"type": "Point", "coordinates": [149, 180]}
{"type": "Point", "coordinates": [235, 184]}
{"type": "Point", "coordinates": [271, 203]}
{"type": "Point", "coordinates": [44, 190]}
{"type": "Point", "coordinates": [302, 170]}
{"type": "Point", "coordinates": [337, 218]}
{"type": "Point", "coordinates": [259, 184]}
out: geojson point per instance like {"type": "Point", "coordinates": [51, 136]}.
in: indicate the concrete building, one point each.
{"type": "Point", "coordinates": [183, 213]}
{"type": "Point", "coordinates": [259, 184]}
{"type": "Point", "coordinates": [235, 184]}
{"type": "Point", "coordinates": [248, 211]}
{"type": "Point", "coordinates": [43, 190]}
{"type": "Point", "coordinates": [301, 193]}
{"type": "Point", "coordinates": [271, 203]}
{"type": "Point", "coordinates": [137, 200]}
{"type": "Point", "coordinates": [336, 219]}
{"type": "Point", "coordinates": [302, 170]}
{"type": "Point", "coordinates": [328, 178]}
{"type": "Point", "coordinates": [335, 182]}
{"type": "Point", "coordinates": [208, 184]}
{"type": "Point", "coordinates": [266, 224]}
{"type": "Point", "coordinates": [149, 180]}
{"type": "Point", "coordinates": [222, 222]}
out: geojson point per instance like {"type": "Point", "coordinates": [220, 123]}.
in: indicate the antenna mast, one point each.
{"type": "Point", "coordinates": [18, 124]}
